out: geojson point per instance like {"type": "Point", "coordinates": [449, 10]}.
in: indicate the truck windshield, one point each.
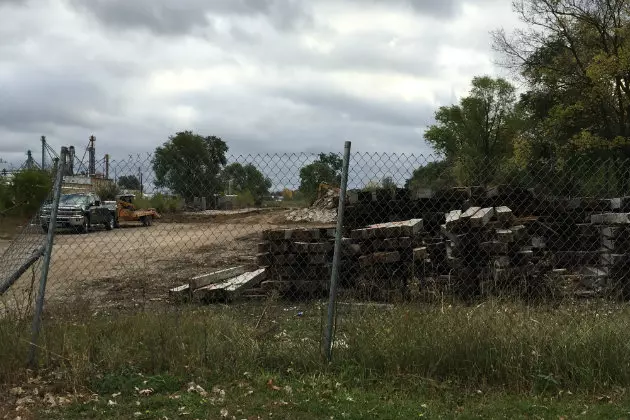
{"type": "Point", "coordinates": [73, 199]}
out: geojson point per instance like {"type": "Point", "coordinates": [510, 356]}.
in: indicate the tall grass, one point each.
{"type": "Point", "coordinates": [491, 345]}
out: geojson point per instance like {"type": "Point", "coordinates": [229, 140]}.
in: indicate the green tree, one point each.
{"type": "Point", "coordinates": [388, 183]}
{"type": "Point", "coordinates": [190, 164]}
{"type": "Point", "coordinates": [432, 175]}
{"type": "Point", "coordinates": [247, 178]}
{"type": "Point", "coordinates": [327, 168]}
{"type": "Point", "coordinates": [30, 188]}
{"type": "Point", "coordinates": [129, 182]}
{"type": "Point", "coordinates": [478, 132]}
{"type": "Point", "coordinates": [574, 57]}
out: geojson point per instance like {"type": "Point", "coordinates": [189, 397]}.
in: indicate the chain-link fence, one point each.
{"type": "Point", "coordinates": [450, 257]}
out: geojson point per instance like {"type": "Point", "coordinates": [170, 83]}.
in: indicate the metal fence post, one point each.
{"type": "Point", "coordinates": [328, 339]}
{"type": "Point", "coordinates": [39, 306]}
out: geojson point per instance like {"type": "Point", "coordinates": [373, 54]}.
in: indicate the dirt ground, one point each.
{"type": "Point", "coordinates": [135, 265]}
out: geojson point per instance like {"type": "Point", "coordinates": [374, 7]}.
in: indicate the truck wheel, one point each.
{"type": "Point", "coordinates": [85, 227]}
{"type": "Point", "coordinates": [110, 223]}
{"type": "Point", "coordinates": [146, 220]}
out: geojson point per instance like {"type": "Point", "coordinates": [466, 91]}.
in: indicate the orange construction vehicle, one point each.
{"type": "Point", "coordinates": [126, 211]}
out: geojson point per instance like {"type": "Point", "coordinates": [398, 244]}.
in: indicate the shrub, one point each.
{"type": "Point", "coordinates": [245, 199]}
{"type": "Point", "coordinates": [107, 191]}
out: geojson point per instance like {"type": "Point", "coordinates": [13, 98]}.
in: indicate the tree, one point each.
{"type": "Point", "coordinates": [30, 189]}
{"type": "Point", "coordinates": [247, 178]}
{"type": "Point", "coordinates": [477, 132]}
{"type": "Point", "coordinates": [190, 164]}
{"type": "Point", "coordinates": [129, 182]}
{"type": "Point", "coordinates": [432, 175]}
{"type": "Point", "coordinates": [388, 183]}
{"type": "Point", "coordinates": [573, 57]}
{"type": "Point", "coordinates": [327, 168]}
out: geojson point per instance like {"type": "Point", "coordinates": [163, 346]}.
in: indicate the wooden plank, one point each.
{"type": "Point", "coordinates": [215, 277]}
{"type": "Point", "coordinates": [482, 217]}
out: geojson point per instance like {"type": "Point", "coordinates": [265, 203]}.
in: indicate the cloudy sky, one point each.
{"type": "Point", "coordinates": [267, 76]}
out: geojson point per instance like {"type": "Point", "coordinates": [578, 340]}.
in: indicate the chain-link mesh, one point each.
{"type": "Point", "coordinates": [255, 236]}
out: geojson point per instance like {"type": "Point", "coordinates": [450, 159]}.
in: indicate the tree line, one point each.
{"type": "Point", "coordinates": [568, 131]}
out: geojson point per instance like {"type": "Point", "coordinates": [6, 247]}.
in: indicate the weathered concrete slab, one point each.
{"type": "Point", "coordinates": [215, 277]}
{"type": "Point", "coordinates": [505, 235]}
{"type": "Point", "coordinates": [610, 219]}
{"type": "Point", "coordinates": [494, 247]}
{"type": "Point", "coordinates": [230, 288]}
{"type": "Point", "coordinates": [482, 217]}
{"type": "Point", "coordinates": [180, 292]}
{"type": "Point", "coordinates": [305, 235]}
{"type": "Point", "coordinates": [453, 219]}
{"type": "Point", "coordinates": [312, 247]}
{"type": "Point", "coordinates": [392, 244]}
{"type": "Point", "coordinates": [615, 260]}
{"type": "Point", "coordinates": [379, 258]}
{"type": "Point", "coordinates": [504, 214]}
{"type": "Point", "coordinates": [420, 254]}
{"type": "Point", "coordinates": [614, 231]}
{"type": "Point", "coordinates": [410, 227]}
{"type": "Point", "coordinates": [500, 261]}
{"type": "Point", "coordinates": [470, 212]}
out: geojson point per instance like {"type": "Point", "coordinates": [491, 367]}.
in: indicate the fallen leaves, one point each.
{"type": "Point", "coordinates": [271, 386]}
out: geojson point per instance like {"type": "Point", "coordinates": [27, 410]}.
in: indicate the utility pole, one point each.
{"type": "Point", "coordinates": [43, 152]}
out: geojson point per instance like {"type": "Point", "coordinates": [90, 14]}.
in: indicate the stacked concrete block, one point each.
{"type": "Point", "coordinates": [298, 261]}
{"type": "Point", "coordinates": [614, 235]}
{"type": "Point", "coordinates": [390, 254]}
{"type": "Point", "coordinates": [485, 245]}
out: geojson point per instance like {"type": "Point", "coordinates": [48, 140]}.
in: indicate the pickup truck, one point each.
{"type": "Point", "coordinates": [80, 212]}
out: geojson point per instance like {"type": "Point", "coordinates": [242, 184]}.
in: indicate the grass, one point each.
{"type": "Point", "coordinates": [490, 359]}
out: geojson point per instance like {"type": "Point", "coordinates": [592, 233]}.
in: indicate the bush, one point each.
{"type": "Point", "coordinates": [161, 203]}
{"type": "Point", "coordinates": [30, 188]}
{"type": "Point", "coordinates": [108, 191]}
{"type": "Point", "coordinates": [245, 199]}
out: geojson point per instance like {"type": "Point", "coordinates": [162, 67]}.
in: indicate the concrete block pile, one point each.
{"type": "Point", "coordinates": [298, 261]}
{"type": "Point", "coordinates": [388, 255]}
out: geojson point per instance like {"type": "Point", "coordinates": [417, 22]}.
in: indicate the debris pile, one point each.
{"type": "Point", "coordinates": [298, 261]}
{"type": "Point", "coordinates": [323, 210]}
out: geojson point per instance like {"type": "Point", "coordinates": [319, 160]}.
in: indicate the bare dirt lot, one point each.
{"type": "Point", "coordinates": [136, 265]}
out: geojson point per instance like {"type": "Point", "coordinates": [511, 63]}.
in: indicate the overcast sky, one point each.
{"type": "Point", "coordinates": [267, 76]}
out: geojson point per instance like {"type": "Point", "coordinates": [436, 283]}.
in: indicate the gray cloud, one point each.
{"type": "Point", "coordinates": [267, 76]}
{"type": "Point", "coordinates": [178, 17]}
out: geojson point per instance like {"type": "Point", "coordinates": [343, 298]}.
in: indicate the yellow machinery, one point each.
{"type": "Point", "coordinates": [324, 187]}
{"type": "Point", "coordinates": [127, 212]}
